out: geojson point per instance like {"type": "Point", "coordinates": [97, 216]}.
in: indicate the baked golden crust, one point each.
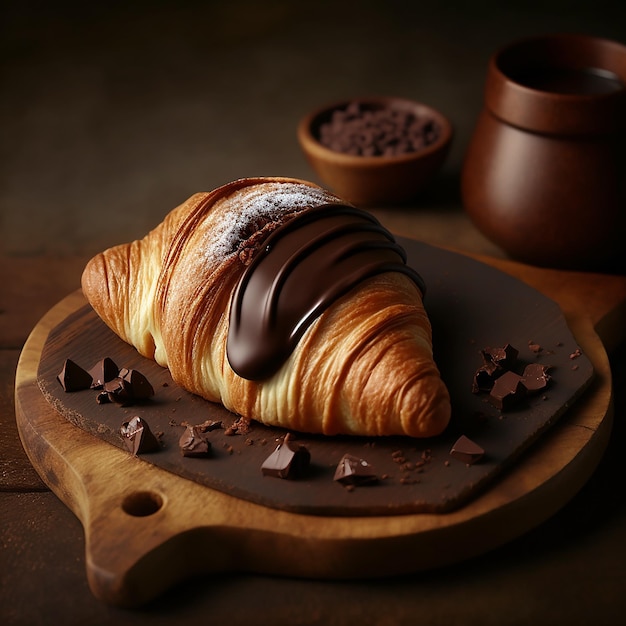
{"type": "Point", "coordinates": [364, 367]}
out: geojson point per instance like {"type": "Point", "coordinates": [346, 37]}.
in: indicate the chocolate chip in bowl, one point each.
{"type": "Point", "coordinates": [380, 150]}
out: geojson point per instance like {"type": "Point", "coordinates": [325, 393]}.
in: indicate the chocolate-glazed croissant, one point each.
{"type": "Point", "coordinates": [275, 298]}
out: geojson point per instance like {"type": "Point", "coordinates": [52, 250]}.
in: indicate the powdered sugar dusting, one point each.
{"type": "Point", "coordinates": [259, 204]}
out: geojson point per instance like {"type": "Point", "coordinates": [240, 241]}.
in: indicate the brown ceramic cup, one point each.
{"type": "Point", "coordinates": [544, 176]}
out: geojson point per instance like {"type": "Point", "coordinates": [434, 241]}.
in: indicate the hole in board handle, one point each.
{"type": "Point", "coordinates": [142, 503]}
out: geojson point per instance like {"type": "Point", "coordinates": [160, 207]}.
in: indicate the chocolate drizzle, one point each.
{"type": "Point", "coordinates": [304, 266]}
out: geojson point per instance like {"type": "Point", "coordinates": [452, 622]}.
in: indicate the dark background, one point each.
{"type": "Point", "coordinates": [112, 113]}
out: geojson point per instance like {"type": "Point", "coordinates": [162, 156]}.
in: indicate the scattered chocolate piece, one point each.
{"type": "Point", "coordinates": [73, 377]}
{"type": "Point", "coordinates": [575, 354]}
{"type": "Point", "coordinates": [467, 451]}
{"type": "Point", "coordinates": [507, 391]}
{"type": "Point", "coordinates": [535, 377]}
{"type": "Point", "coordinates": [210, 425]}
{"type": "Point", "coordinates": [194, 442]}
{"type": "Point", "coordinates": [352, 470]}
{"type": "Point", "coordinates": [289, 460]}
{"type": "Point", "coordinates": [138, 437]}
{"type": "Point", "coordinates": [534, 347]}
{"type": "Point", "coordinates": [103, 398]}
{"type": "Point", "coordinates": [118, 391]}
{"type": "Point", "coordinates": [496, 361]}
{"type": "Point", "coordinates": [140, 387]}
{"type": "Point", "coordinates": [241, 426]}
{"type": "Point", "coordinates": [103, 371]}
{"type": "Point", "coordinates": [504, 357]}
{"type": "Point", "coordinates": [484, 377]}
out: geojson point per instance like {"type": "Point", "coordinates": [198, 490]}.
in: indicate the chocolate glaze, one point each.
{"type": "Point", "coordinates": [304, 266]}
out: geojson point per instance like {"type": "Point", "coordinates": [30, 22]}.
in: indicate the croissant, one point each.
{"type": "Point", "coordinates": [285, 304]}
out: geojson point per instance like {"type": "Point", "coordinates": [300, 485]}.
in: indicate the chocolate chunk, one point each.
{"type": "Point", "coordinates": [103, 371]}
{"type": "Point", "coordinates": [535, 377]}
{"type": "Point", "coordinates": [467, 451]}
{"type": "Point", "coordinates": [289, 460]}
{"type": "Point", "coordinates": [103, 398]}
{"type": "Point", "coordinates": [496, 361]}
{"type": "Point", "coordinates": [73, 377]}
{"type": "Point", "coordinates": [194, 442]}
{"type": "Point", "coordinates": [118, 391]}
{"type": "Point", "coordinates": [504, 357]}
{"type": "Point", "coordinates": [140, 387]}
{"type": "Point", "coordinates": [507, 391]}
{"type": "Point", "coordinates": [138, 437]}
{"type": "Point", "coordinates": [352, 470]}
{"type": "Point", "coordinates": [484, 377]}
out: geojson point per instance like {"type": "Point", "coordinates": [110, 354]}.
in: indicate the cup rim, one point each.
{"type": "Point", "coordinates": [597, 50]}
{"type": "Point", "coordinates": [553, 111]}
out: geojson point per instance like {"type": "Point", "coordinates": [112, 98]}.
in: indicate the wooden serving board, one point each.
{"type": "Point", "coordinates": [148, 527]}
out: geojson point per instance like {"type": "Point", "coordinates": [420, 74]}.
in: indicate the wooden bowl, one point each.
{"type": "Point", "coordinates": [372, 180]}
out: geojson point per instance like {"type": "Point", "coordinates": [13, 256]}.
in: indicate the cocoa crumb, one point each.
{"type": "Point", "coordinates": [241, 426]}
{"type": "Point", "coordinates": [575, 354]}
{"type": "Point", "coordinates": [534, 347]}
{"type": "Point", "coordinates": [409, 480]}
{"type": "Point", "coordinates": [210, 425]}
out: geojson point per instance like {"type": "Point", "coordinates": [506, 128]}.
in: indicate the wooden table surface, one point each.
{"type": "Point", "coordinates": [101, 139]}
